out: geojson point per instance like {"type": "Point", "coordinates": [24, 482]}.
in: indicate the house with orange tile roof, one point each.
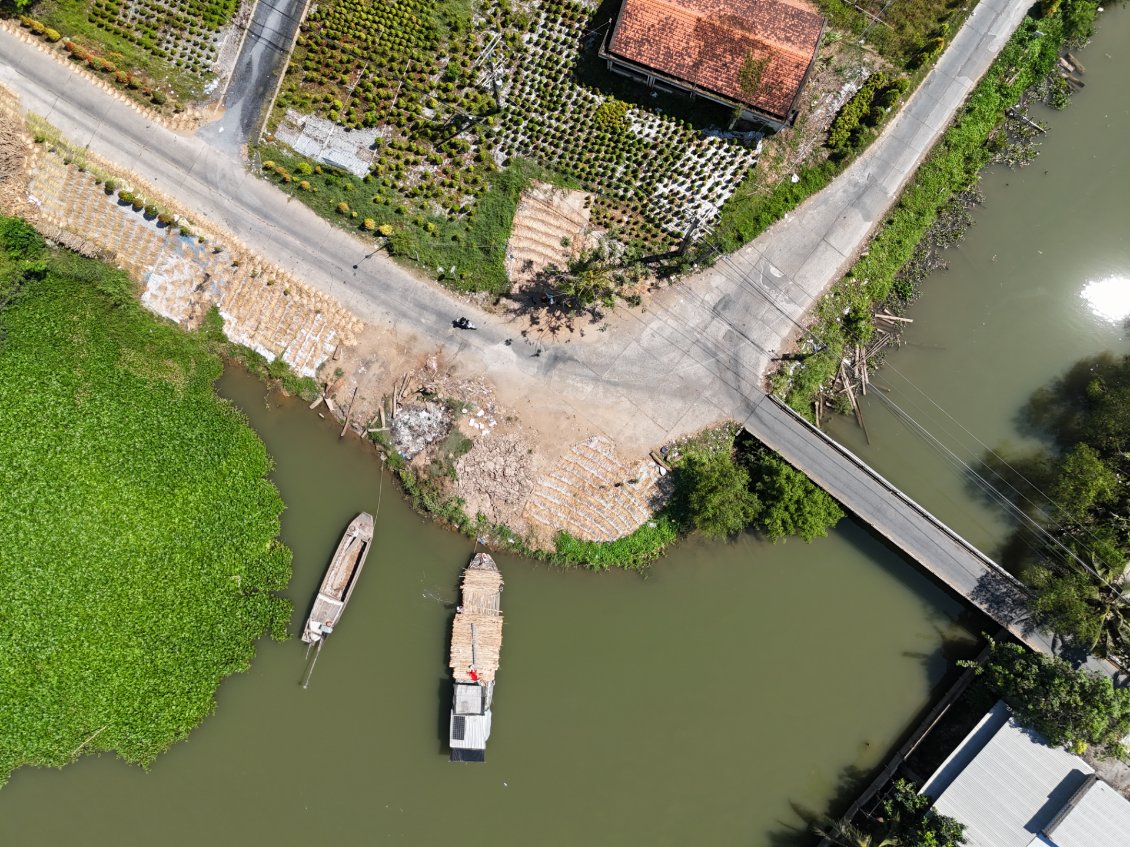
{"type": "Point", "coordinates": [753, 56]}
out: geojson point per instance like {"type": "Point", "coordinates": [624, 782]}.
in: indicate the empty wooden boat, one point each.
{"type": "Point", "coordinates": [340, 579]}
{"type": "Point", "coordinates": [476, 640]}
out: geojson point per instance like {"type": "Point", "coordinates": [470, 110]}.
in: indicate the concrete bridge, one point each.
{"type": "Point", "coordinates": [904, 523]}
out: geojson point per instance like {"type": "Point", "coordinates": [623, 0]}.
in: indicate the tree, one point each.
{"type": "Point", "coordinates": [588, 280]}
{"type": "Point", "coordinates": [844, 834]}
{"type": "Point", "coordinates": [791, 503]}
{"type": "Point", "coordinates": [1088, 609]}
{"type": "Point", "coordinates": [714, 495]}
{"type": "Point", "coordinates": [1076, 560]}
{"type": "Point", "coordinates": [1084, 482]}
{"type": "Point", "coordinates": [912, 821]}
{"type": "Point", "coordinates": [1070, 708]}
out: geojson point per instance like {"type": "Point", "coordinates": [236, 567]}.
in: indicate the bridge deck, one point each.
{"type": "Point", "coordinates": [906, 524]}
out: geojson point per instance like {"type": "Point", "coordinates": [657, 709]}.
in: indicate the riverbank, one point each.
{"type": "Point", "coordinates": [904, 633]}
{"type": "Point", "coordinates": [845, 320]}
{"type": "Point", "coordinates": [642, 385]}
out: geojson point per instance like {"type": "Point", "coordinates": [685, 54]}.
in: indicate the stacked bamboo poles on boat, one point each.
{"type": "Point", "coordinates": [476, 634]}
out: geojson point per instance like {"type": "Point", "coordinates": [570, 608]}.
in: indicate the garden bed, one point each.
{"type": "Point", "coordinates": [168, 50]}
{"type": "Point", "coordinates": [441, 102]}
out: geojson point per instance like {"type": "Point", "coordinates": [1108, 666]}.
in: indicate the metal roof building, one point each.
{"type": "Point", "coordinates": [1011, 789]}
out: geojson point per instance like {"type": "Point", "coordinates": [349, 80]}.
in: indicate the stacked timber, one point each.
{"type": "Point", "coordinates": [476, 642]}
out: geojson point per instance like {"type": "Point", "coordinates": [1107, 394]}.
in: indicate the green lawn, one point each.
{"type": "Point", "coordinates": [140, 558]}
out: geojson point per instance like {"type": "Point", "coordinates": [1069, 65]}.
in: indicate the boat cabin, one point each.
{"type": "Point", "coordinates": [470, 723]}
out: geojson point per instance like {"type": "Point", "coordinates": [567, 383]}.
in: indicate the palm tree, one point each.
{"type": "Point", "coordinates": [845, 834]}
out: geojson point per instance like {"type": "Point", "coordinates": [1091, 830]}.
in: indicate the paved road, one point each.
{"type": "Point", "coordinates": [273, 26]}
{"type": "Point", "coordinates": [695, 355]}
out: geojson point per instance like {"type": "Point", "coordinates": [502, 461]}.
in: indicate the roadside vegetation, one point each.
{"type": "Point", "coordinates": [162, 51]}
{"type": "Point", "coordinates": [1073, 545]}
{"type": "Point", "coordinates": [141, 562]}
{"type": "Point", "coordinates": [844, 314]}
{"type": "Point", "coordinates": [905, 43]}
{"type": "Point", "coordinates": [723, 484]}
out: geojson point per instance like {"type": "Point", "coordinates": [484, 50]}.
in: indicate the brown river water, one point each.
{"type": "Point", "coordinates": [710, 703]}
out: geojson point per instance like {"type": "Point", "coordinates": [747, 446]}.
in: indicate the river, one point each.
{"type": "Point", "coordinates": [706, 704]}
{"type": "Point", "coordinates": [694, 705]}
{"type": "Point", "coordinates": [1041, 281]}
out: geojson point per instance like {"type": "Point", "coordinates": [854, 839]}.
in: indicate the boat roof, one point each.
{"type": "Point", "coordinates": [469, 732]}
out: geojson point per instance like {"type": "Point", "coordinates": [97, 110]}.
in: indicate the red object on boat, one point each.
{"type": "Point", "coordinates": [474, 675]}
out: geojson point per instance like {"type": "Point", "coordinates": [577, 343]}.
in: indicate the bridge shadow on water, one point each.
{"type": "Point", "coordinates": [922, 582]}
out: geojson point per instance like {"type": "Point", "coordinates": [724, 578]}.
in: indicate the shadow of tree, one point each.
{"type": "Point", "coordinates": [1005, 599]}
{"type": "Point", "coordinates": [801, 832]}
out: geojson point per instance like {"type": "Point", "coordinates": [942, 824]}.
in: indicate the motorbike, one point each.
{"type": "Point", "coordinates": [463, 323]}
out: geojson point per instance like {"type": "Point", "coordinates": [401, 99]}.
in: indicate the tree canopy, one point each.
{"type": "Point", "coordinates": [1073, 551]}
{"type": "Point", "coordinates": [724, 488]}
{"type": "Point", "coordinates": [1071, 708]}
{"type": "Point", "coordinates": [716, 494]}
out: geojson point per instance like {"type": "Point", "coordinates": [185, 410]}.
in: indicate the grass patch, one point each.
{"type": "Point", "coordinates": [468, 253]}
{"type": "Point", "coordinates": [632, 552]}
{"type": "Point", "coordinates": [141, 560]}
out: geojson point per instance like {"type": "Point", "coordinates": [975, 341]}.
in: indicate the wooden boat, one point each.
{"type": "Point", "coordinates": [340, 579]}
{"type": "Point", "coordinates": [476, 640]}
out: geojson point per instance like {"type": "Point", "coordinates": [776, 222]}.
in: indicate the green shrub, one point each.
{"type": "Point", "coordinates": [843, 134]}
{"type": "Point", "coordinates": [930, 51]}
{"type": "Point", "coordinates": [1070, 708]}
{"type": "Point", "coordinates": [19, 240]}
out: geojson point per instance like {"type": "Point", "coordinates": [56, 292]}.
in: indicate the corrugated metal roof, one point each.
{"type": "Point", "coordinates": [476, 731]}
{"type": "Point", "coordinates": [1101, 818]}
{"type": "Point", "coordinates": [1014, 785]}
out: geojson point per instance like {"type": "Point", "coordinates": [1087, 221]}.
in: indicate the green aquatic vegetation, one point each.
{"type": "Point", "coordinates": [632, 552]}
{"type": "Point", "coordinates": [140, 561]}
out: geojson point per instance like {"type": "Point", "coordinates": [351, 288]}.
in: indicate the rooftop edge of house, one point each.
{"type": "Point", "coordinates": [704, 44]}
{"type": "Point", "coordinates": [1011, 789]}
